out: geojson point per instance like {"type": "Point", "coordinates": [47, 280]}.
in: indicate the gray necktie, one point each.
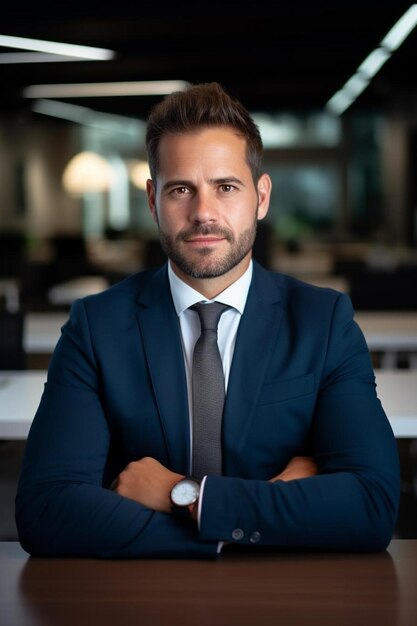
{"type": "Point", "coordinates": [208, 393]}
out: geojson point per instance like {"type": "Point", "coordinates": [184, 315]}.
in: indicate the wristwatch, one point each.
{"type": "Point", "coordinates": [183, 495]}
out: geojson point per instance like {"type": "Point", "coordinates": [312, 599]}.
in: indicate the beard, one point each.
{"type": "Point", "coordinates": [202, 266]}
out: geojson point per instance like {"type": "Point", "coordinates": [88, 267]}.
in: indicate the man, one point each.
{"type": "Point", "coordinates": [124, 457]}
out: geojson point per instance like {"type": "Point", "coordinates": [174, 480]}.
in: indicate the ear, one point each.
{"type": "Point", "coordinates": [151, 191]}
{"type": "Point", "coordinates": [264, 193]}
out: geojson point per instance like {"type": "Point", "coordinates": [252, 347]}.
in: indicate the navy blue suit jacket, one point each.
{"type": "Point", "coordinates": [301, 383]}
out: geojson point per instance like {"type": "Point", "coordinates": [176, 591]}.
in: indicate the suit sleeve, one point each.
{"type": "Point", "coordinates": [62, 508]}
{"type": "Point", "coordinates": [352, 504]}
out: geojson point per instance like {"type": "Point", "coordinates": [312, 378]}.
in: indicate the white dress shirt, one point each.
{"type": "Point", "coordinates": [184, 297]}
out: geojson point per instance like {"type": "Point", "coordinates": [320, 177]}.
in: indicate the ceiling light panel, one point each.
{"type": "Point", "coordinates": [14, 58]}
{"type": "Point", "coordinates": [374, 62]}
{"type": "Point", "coordinates": [55, 47]}
{"type": "Point", "coordinates": [400, 31]}
{"type": "Point", "coordinates": [98, 90]}
{"type": "Point", "coordinates": [343, 98]}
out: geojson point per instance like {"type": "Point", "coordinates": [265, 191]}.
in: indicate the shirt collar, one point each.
{"type": "Point", "coordinates": [185, 296]}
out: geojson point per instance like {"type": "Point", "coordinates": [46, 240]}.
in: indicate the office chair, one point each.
{"type": "Point", "coordinates": [12, 355]}
{"type": "Point", "coordinates": [12, 254]}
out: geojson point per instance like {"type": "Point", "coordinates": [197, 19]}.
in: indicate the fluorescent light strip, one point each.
{"type": "Point", "coordinates": [88, 117]}
{"type": "Point", "coordinates": [55, 47]}
{"type": "Point", "coordinates": [356, 84]}
{"type": "Point", "coordinates": [400, 31]}
{"type": "Point", "coordinates": [374, 62]}
{"type": "Point", "coordinates": [343, 98]}
{"type": "Point", "coordinates": [62, 110]}
{"type": "Point", "coordinates": [11, 58]}
{"type": "Point", "coordinates": [98, 90]}
{"type": "Point", "coordinates": [340, 102]}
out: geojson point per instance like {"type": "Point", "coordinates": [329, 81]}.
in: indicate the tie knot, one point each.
{"type": "Point", "coordinates": [209, 314]}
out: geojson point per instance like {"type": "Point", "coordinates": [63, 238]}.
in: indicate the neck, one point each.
{"type": "Point", "coordinates": [211, 287]}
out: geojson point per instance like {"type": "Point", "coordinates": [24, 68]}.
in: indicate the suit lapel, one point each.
{"type": "Point", "coordinates": [256, 338]}
{"type": "Point", "coordinates": [161, 339]}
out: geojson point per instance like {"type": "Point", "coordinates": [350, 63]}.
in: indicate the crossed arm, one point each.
{"type": "Point", "coordinates": [63, 507]}
{"type": "Point", "coordinates": [148, 482]}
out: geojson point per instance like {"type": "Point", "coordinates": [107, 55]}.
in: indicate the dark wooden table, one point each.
{"type": "Point", "coordinates": [247, 588]}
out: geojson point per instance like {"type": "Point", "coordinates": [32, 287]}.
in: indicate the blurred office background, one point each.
{"type": "Point", "coordinates": [334, 91]}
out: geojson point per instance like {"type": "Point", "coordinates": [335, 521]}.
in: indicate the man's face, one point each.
{"type": "Point", "coordinates": [205, 202]}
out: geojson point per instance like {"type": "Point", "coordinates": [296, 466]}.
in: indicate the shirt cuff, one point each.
{"type": "Point", "coordinates": [200, 506]}
{"type": "Point", "coordinates": [200, 501]}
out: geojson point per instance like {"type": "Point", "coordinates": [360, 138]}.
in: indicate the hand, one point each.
{"type": "Point", "coordinates": [298, 467]}
{"type": "Point", "coordinates": [147, 482]}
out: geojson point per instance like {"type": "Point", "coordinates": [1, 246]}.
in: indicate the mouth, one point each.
{"type": "Point", "coordinates": [206, 240]}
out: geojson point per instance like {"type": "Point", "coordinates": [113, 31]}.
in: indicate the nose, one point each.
{"type": "Point", "coordinates": [203, 209]}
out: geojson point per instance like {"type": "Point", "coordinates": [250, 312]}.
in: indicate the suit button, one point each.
{"type": "Point", "coordinates": [238, 534]}
{"type": "Point", "coordinates": [255, 537]}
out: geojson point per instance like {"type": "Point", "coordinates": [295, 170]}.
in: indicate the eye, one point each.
{"type": "Point", "coordinates": [226, 188]}
{"type": "Point", "coordinates": [180, 191]}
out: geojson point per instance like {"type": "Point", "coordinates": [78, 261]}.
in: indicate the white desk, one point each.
{"type": "Point", "coordinates": [66, 292]}
{"type": "Point", "coordinates": [397, 391]}
{"type": "Point", "coordinates": [387, 331]}
{"type": "Point", "coordinates": [41, 331]}
{"type": "Point", "coordinates": [391, 333]}
{"type": "Point", "coordinates": [20, 393]}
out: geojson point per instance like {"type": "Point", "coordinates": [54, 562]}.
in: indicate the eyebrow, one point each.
{"type": "Point", "coordinates": [226, 180]}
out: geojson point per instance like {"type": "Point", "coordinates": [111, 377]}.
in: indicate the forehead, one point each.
{"type": "Point", "coordinates": [207, 146]}
{"type": "Point", "coordinates": [213, 152]}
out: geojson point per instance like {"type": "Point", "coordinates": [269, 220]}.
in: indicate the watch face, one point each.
{"type": "Point", "coordinates": [185, 492]}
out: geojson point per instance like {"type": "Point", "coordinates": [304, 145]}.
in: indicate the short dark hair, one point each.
{"type": "Point", "coordinates": [202, 106]}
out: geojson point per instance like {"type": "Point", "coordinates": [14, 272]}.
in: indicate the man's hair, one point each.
{"type": "Point", "coordinates": [202, 106]}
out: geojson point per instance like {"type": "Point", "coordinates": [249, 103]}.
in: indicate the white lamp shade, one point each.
{"type": "Point", "coordinates": [87, 172]}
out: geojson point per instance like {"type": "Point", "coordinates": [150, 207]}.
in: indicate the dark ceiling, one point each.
{"type": "Point", "coordinates": [285, 56]}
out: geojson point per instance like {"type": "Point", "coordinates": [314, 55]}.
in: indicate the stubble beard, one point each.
{"type": "Point", "coordinates": [201, 266]}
